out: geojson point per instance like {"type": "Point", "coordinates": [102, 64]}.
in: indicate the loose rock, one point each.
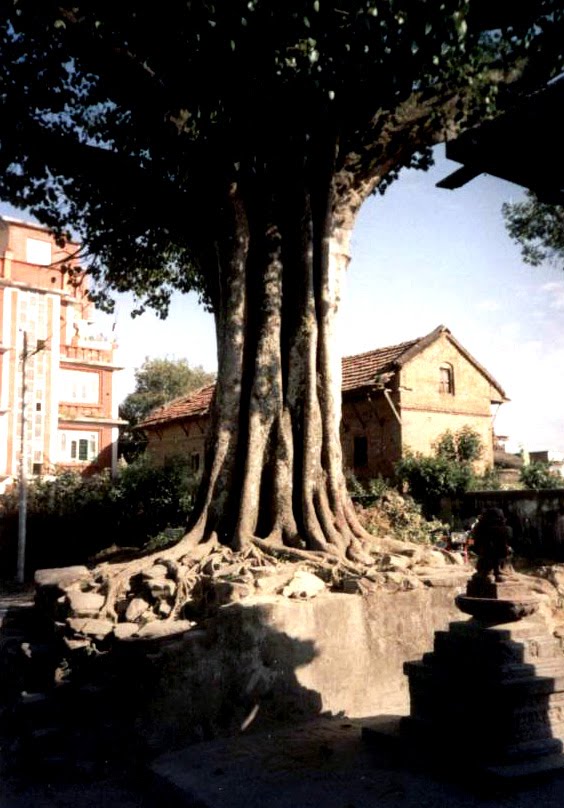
{"type": "Point", "coordinates": [84, 604]}
{"type": "Point", "coordinates": [89, 627]}
{"type": "Point", "coordinates": [137, 607]}
{"type": "Point", "coordinates": [304, 585]}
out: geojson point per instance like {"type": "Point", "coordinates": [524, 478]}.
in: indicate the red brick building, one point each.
{"type": "Point", "coordinates": [399, 398]}
{"type": "Point", "coordinates": [71, 416]}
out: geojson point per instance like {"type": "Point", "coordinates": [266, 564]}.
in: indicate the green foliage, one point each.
{"type": "Point", "coordinates": [490, 480]}
{"type": "Point", "coordinates": [401, 517]}
{"type": "Point", "coordinates": [538, 228]}
{"type": "Point", "coordinates": [464, 446]}
{"type": "Point", "coordinates": [366, 492]}
{"type": "Point", "coordinates": [448, 473]}
{"type": "Point", "coordinates": [70, 517]}
{"type": "Point", "coordinates": [539, 476]}
{"type": "Point", "coordinates": [125, 125]}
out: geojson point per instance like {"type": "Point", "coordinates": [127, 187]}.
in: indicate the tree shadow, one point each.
{"type": "Point", "coordinates": [71, 708]}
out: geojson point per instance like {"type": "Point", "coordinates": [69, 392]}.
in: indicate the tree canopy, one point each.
{"type": "Point", "coordinates": [127, 125]}
{"type": "Point", "coordinates": [226, 147]}
{"type": "Point", "coordinates": [538, 227]}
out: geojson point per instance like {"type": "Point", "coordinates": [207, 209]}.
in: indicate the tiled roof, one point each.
{"type": "Point", "coordinates": [194, 404]}
{"type": "Point", "coordinates": [359, 371]}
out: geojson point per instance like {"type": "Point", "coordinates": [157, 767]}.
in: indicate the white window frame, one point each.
{"type": "Point", "coordinates": [73, 443]}
{"type": "Point", "coordinates": [80, 386]}
{"type": "Point", "coordinates": [38, 251]}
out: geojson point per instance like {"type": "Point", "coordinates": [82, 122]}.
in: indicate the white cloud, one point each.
{"type": "Point", "coordinates": [555, 290]}
{"type": "Point", "coordinates": [488, 305]}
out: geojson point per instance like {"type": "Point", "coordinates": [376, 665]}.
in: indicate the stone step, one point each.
{"type": "Point", "coordinates": [518, 631]}
{"type": "Point", "coordinates": [458, 649]}
{"type": "Point", "coordinates": [426, 732]}
{"type": "Point", "coordinates": [430, 669]}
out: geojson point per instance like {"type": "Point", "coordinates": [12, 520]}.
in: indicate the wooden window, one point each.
{"type": "Point", "coordinates": [78, 446]}
{"type": "Point", "coordinates": [360, 452]}
{"type": "Point", "coordinates": [446, 383]}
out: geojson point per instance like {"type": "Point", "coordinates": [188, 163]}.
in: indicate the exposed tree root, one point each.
{"type": "Point", "coordinates": [189, 562]}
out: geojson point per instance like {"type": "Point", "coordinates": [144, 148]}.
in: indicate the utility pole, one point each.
{"type": "Point", "coordinates": [22, 515]}
{"type": "Point", "coordinates": [22, 520]}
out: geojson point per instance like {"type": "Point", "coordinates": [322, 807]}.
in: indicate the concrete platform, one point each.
{"type": "Point", "coordinates": [325, 764]}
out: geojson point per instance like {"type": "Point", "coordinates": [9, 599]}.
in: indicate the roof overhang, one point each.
{"type": "Point", "coordinates": [523, 145]}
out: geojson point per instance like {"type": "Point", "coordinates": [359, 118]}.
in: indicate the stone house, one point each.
{"type": "Point", "coordinates": [70, 417]}
{"type": "Point", "coordinates": [395, 399]}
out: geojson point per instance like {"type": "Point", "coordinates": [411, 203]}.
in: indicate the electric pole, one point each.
{"type": "Point", "coordinates": [22, 516]}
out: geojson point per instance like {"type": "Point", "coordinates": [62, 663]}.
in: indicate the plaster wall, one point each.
{"type": "Point", "coordinates": [427, 412]}
{"type": "Point", "coordinates": [176, 439]}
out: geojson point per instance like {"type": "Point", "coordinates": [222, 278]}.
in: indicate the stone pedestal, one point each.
{"type": "Point", "coordinates": [491, 692]}
{"type": "Point", "coordinates": [490, 696]}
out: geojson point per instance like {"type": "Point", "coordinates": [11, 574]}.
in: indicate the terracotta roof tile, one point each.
{"type": "Point", "coordinates": [360, 370]}
{"type": "Point", "coordinates": [194, 404]}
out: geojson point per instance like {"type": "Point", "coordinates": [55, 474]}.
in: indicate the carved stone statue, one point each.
{"type": "Point", "coordinates": [491, 539]}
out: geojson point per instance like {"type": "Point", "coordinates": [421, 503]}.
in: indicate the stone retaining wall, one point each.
{"type": "Point", "coordinates": [273, 658]}
{"type": "Point", "coordinates": [536, 517]}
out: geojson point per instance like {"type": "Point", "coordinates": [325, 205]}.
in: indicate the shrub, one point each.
{"type": "Point", "coordinates": [538, 476]}
{"type": "Point", "coordinates": [448, 473]}
{"type": "Point", "coordinates": [71, 518]}
{"type": "Point", "coordinates": [489, 481]}
{"type": "Point", "coordinates": [368, 492]}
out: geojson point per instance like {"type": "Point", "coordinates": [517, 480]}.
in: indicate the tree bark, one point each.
{"type": "Point", "coordinates": [274, 470]}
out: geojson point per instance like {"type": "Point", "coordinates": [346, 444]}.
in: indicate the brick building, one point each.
{"type": "Point", "coordinates": [395, 399]}
{"type": "Point", "coordinates": [70, 410]}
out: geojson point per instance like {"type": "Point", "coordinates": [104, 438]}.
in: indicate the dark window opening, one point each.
{"type": "Point", "coordinates": [37, 406]}
{"type": "Point", "coordinates": [446, 383]}
{"type": "Point", "coordinates": [83, 449]}
{"type": "Point", "coordinates": [37, 468]}
{"type": "Point", "coordinates": [360, 452]}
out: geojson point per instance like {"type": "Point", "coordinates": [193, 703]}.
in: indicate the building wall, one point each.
{"type": "Point", "coordinates": [179, 439]}
{"type": "Point", "coordinates": [371, 419]}
{"type": "Point", "coordinates": [38, 296]}
{"type": "Point", "coordinates": [427, 411]}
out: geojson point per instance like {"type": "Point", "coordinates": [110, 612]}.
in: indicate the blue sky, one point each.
{"type": "Point", "coordinates": [421, 256]}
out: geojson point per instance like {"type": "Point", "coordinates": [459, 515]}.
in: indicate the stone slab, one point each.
{"type": "Point", "coordinates": [320, 763]}
{"type": "Point", "coordinates": [61, 577]}
{"type": "Point", "coordinates": [384, 734]}
{"type": "Point", "coordinates": [327, 764]}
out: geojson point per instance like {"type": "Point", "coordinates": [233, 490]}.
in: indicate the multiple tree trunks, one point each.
{"type": "Point", "coordinates": [273, 468]}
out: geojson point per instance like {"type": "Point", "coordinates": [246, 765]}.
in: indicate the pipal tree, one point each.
{"type": "Point", "coordinates": [227, 147]}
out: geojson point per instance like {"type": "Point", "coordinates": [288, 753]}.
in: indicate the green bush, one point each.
{"type": "Point", "coordinates": [490, 480]}
{"type": "Point", "coordinates": [71, 518]}
{"type": "Point", "coordinates": [367, 492]}
{"type": "Point", "coordinates": [448, 473]}
{"type": "Point", "coordinates": [538, 476]}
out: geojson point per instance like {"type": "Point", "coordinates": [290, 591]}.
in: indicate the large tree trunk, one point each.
{"type": "Point", "coordinates": [273, 468]}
